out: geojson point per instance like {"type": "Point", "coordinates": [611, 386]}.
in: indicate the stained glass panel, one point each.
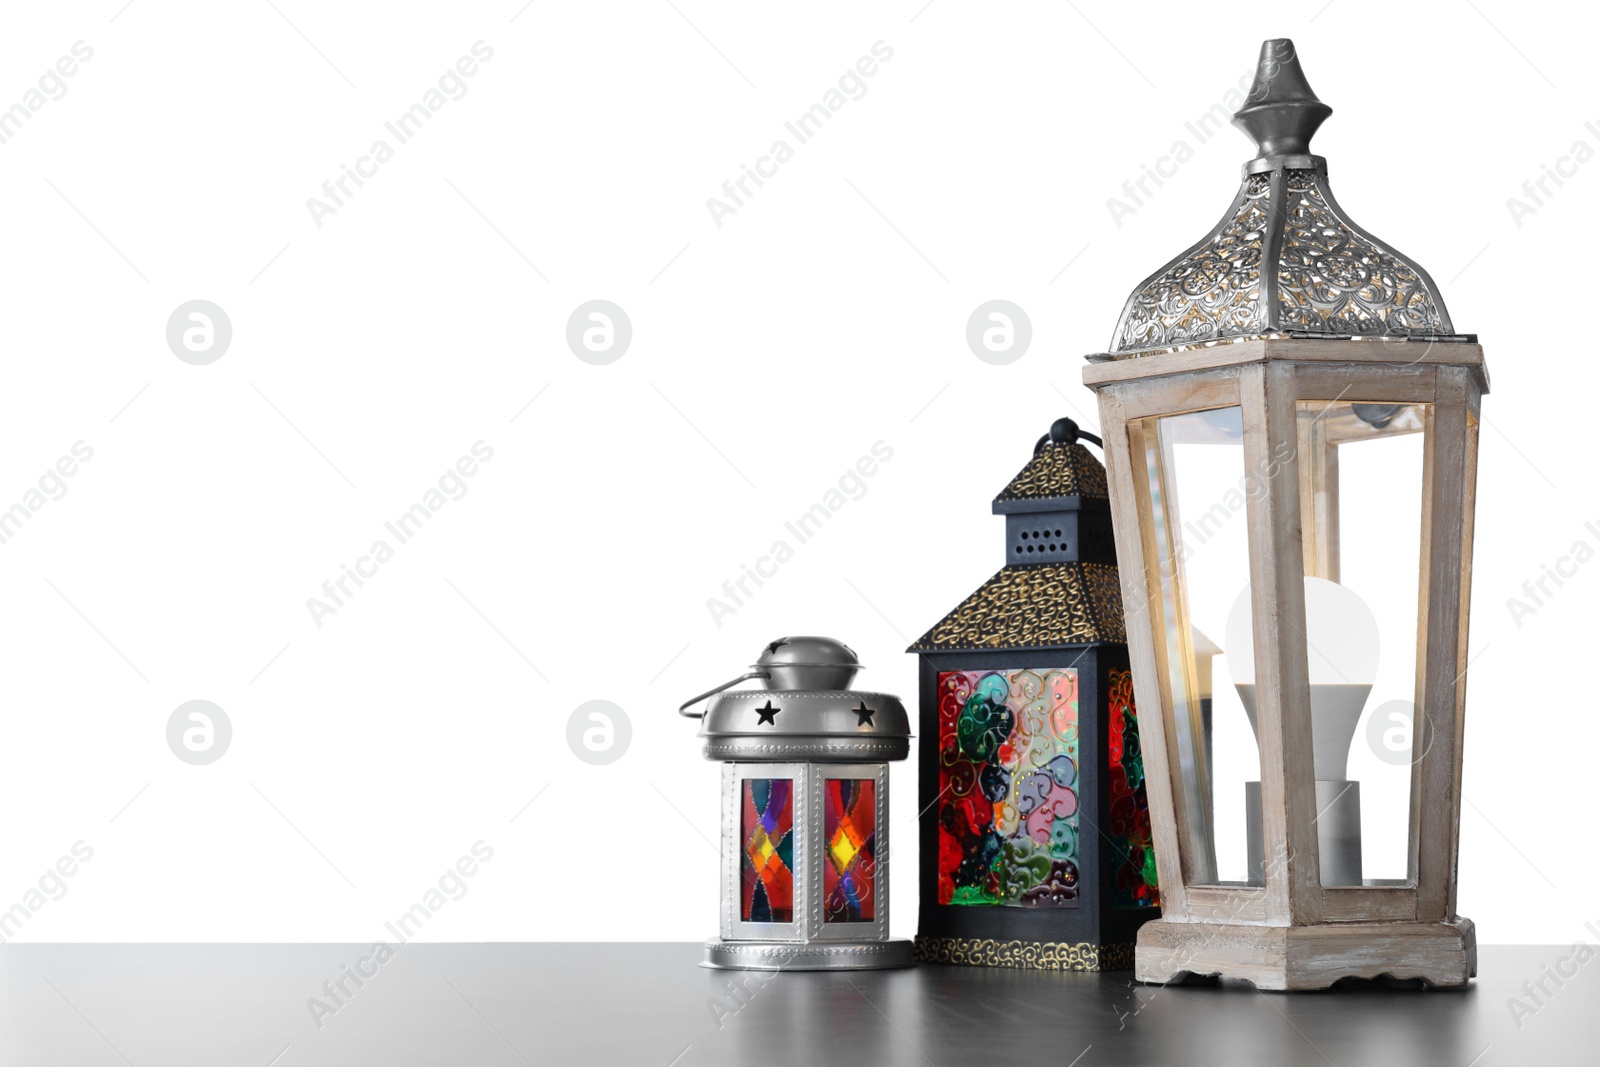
{"type": "Point", "coordinates": [766, 893]}
{"type": "Point", "coordinates": [849, 838]}
{"type": "Point", "coordinates": [1133, 858]}
{"type": "Point", "coordinates": [1008, 779]}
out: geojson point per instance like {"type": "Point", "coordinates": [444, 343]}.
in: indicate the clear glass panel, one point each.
{"type": "Point", "coordinates": [1008, 788]}
{"type": "Point", "coordinates": [766, 828]}
{"type": "Point", "coordinates": [1197, 547]}
{"type": "Point", "coordinates": [1361, 485]}
{"type": "Point", "coordinates": [849, 843]}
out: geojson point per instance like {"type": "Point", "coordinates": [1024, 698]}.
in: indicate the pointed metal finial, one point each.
{"type": "Point", "coordinates": [1281, 112]}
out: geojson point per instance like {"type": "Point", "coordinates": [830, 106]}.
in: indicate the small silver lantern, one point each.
{"type": "Point", "coordinates": [805, 812]}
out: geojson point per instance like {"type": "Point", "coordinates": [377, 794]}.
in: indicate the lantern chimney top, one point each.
{"type": "Point", "coordinates": [1281, 112]}
{"type": "Point", "coordinates": [1059, 587]}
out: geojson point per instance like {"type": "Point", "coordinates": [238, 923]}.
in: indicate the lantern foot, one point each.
{"type": "Point", "coordinates": [1441, 954]}
{"type": "Point", "coordinates": [812, 956]}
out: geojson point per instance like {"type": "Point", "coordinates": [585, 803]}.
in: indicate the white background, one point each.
{"type": "Point", "coordinates": [768, 354]}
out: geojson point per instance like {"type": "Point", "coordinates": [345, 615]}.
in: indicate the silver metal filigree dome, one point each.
{"type": "Point", "coordinates": [1286, 258]}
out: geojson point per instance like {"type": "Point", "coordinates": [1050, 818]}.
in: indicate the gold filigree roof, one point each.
{"type": "Point", "coordinates": [1040, 606]}
{"type": "Point", "coordinates": [1058, 470]}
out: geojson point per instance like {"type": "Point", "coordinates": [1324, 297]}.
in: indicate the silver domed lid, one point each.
{"type": "Point", "coordinates": [1286, 258]}
{"type": "Point", "coordinates": [804, 710]}
{"type": "Point", "coordinates": [807, 663]}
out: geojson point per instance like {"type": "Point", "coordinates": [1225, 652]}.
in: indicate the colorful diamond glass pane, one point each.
{"type": "Point", "coordinates": [849, 840]}
{"type": "Point", "coordinates": [1008, 782]}
{"type": "Point", "coordinates": [766, 824]}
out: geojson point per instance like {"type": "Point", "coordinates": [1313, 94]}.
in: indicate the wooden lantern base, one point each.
{"type": "Point", "coordinates": [1308, 957]}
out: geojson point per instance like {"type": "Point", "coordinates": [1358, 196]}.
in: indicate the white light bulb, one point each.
{"type": "Point", "coordinates": [1341, 636]}
{"type": "Point", "coordinates": [1341, 662]}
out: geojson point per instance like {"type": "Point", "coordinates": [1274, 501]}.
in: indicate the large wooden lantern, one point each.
{"type": "Point", "coordinates": [1291, 429]}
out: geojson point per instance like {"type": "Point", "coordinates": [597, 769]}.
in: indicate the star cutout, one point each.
{"type": "Point", "coordinates": [765, 715]}
{"type": "Point", "coordinates": [864, 714]}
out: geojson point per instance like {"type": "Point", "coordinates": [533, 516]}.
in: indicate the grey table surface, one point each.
{"type": "Point", "coordinates": [650, 1004]}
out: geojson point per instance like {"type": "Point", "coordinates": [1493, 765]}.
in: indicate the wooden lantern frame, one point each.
{"type": "Point", "coordinates": [1293, 932]}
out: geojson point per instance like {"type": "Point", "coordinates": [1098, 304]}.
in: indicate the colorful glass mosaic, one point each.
{"type": "Point", "coordinates": [766, 893]}
{"type": "Point", "coordinates": [849, 825]}
{"type": "Point", "coordinates": [1133, 857]}
{"type": "Point", "coordinates": [1008, 778]}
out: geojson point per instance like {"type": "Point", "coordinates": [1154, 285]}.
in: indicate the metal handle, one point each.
{"type": "Point", "coordinates": [1066, 432]}
{"type": "Point", "coordinates": [683, 709]}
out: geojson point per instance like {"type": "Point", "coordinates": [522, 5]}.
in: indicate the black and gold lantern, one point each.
{"type": "Point", "coordinates": [1035, 833]}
